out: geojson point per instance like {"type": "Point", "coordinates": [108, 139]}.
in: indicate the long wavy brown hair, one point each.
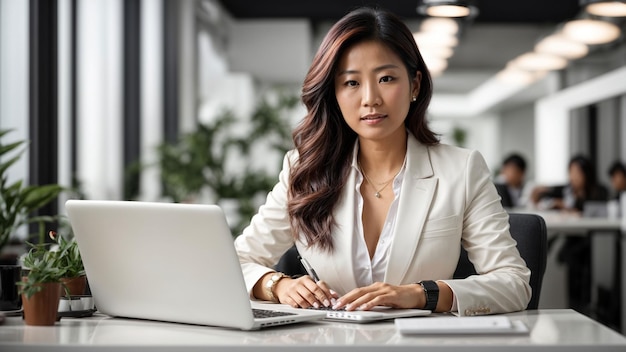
{"type": "Point", "coordinates": [323, 139]}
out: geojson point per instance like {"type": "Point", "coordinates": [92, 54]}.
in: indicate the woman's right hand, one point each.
{"type": "Point", "coordinates": [303, 292]}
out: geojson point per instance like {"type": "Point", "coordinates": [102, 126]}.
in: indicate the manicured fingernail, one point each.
{"type": "Point", "coordinates": [362, 307]}
{"type": "Point", "coordinates": [333, 292]}
{"type": "Point", "coordinates": [333, 301]}
{"type": "Point", "coordinates": [316, 305]}
{"type": "Point", "coordinates": [337, 304]}
{"type": "Point", "coordinates": [326, 303]}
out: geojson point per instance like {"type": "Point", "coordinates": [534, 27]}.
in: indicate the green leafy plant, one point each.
{"type": "Point", "coordinates": [68, 256]}
{"type": "Point", "coordinates": [18, 201]}
{"type": "Point", "coordinates": [459, 135]}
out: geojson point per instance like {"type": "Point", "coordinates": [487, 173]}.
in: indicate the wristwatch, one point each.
{"type": "Point", "coordinates": [271, 284]}
{"type": "Point", "coordinates": [432, 294]}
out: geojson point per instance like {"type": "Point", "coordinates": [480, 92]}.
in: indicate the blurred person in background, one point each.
{"type": "Point", "coordinates": [512, 185]}
{"type": "Point", "coordinates": [617, 172]}
{"type": "Point", "coordinates": [582, 187]}
{"type": "Point", "coordinates": [575, 252]}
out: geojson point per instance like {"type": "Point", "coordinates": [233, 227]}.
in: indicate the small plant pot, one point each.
{"type": "Point", "coordinates": [42, 307]}
{"type": "Point", "coordinates": [75, 285]}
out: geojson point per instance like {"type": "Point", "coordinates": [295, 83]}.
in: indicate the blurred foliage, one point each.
{"type": "Point", "coordinates": [19, 201]}
{"type": "Point", "coordinates": [198, 160]}
{"type": "Point", "coordinates": [459, 135]}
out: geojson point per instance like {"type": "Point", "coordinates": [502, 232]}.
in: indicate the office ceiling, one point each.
{"type": "Point", "coordinates": [503, 30]}
{"type": "Point", "coordinates": [491, 11]}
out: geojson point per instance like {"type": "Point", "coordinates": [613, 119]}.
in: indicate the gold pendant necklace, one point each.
{"type": "Point", "coordinates": [384, 184]}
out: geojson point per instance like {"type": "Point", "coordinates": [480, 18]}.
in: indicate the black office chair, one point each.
{"type": "Point", "coordinates": [529, 230]}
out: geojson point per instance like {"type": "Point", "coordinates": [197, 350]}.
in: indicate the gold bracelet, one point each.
{"type": "Point", "coordinates": [271, 284]}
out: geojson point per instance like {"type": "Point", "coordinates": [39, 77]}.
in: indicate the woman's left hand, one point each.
{"type": "Point", "coordinates": [383, 294]}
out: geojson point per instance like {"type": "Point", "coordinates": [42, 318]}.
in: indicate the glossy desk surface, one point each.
{"type": "Point", "coordinates": [558, 330]}
{"type": "Point", "coordinates": [572, 222]}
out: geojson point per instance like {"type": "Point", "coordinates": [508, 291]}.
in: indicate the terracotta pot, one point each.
{"type": "Point", "coordinates": [75, 285]}
{"type": "Point", "coordinates": [41, 309]}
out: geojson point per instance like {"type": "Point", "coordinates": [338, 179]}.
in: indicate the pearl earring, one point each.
{"type": "Point", "coordinates": [414, 98]}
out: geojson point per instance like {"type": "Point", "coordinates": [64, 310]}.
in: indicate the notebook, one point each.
{"type": "Point", "coordinates": [446, 325]}
{"type": "Point", "coordinates": [167, 262]}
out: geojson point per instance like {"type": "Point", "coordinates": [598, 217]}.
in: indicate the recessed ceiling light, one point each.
{"type": "Point", "coordinates": [447, 8]}
{"type": "Point", "coordinates": [558, 44]}
{"type": "Point", "coordinates": [443, 52]}
{"type": "Point", "coordinates": [442, 25]}
{"type": "Point", "coordinates": [605, 8]}
{"type": "Point", "coordinates": [590, 31]}
{"type": "Point", "coordinates": [435, 39]}
{"type": "Point", "coordinates": [534, 61]}
{"type": "Point", "coordinates": [436, 65]}
{"type": "Point", "coordinates": [519, 77]}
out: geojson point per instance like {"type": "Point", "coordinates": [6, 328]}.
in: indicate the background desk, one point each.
{"type": "Point", "coordinates": [551, 330]}
{"type": "Point", "coordinates": [608, 259]}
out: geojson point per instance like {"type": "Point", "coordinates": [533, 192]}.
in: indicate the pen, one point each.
{"type": "Point", "coordinates": [309, 269]}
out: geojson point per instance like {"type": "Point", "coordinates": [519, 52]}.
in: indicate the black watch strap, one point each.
{"type": "Point", "coordinates": [431, 290]}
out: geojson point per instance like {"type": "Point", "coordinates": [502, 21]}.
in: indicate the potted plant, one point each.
{"type": "Point", "coordinates": [69, 259]}
{"type": "Point", "coordinates": [41, 287]}
{"type": "Point", "coordinates": [19, 201]}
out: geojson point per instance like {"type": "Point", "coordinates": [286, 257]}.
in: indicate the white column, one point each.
{"type": "Point", "coordinates": [552, 146]}
{"type": "Point", "coordinates": [14, 82]}
{"type": "Point", "coordinates": [64, 98]}
{"type": "Point", "coordinates": [151, 96]}
{"type": "Point", "coordinates": [99, 95]}
{"type": "Point", "coordinates": [187, 98]}
{"type": "Point", "coordinates": [623, 257]}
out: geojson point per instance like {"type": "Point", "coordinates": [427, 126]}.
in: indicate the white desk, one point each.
{"type": "Point", "coordinates": [571, 224]}
{"type": "Point", "coordinates": [550, 330]}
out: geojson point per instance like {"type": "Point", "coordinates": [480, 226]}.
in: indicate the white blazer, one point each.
{"type": "Point", "coordinates": [447, 199]}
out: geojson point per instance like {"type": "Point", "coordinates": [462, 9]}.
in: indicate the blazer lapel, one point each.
{"type": "Point", "coordinates": [343, 236]}
{"type": "Point", "coordinates": [418, 189]}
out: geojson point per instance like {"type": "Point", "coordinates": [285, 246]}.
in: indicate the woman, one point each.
{"type": "Point", "coordinates": [370, 197]}
{"type": "Point", "coordinates": [582, 187]}
{"type": "Point", "coordinates": [576, 250]}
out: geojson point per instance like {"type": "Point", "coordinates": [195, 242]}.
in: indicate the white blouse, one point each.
{"type": "Point", "coordinates": [368, 271]}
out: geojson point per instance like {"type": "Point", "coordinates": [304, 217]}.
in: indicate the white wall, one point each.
{"type": "Point", "coordinates": [277, 51]}
{"type": "Point", "coordinates": [517, 135]}
{"type": "Point", "coordinates": [483, 134]}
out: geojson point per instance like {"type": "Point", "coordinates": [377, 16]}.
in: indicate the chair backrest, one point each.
{"type": "Point", "coordinates": [529, 230]}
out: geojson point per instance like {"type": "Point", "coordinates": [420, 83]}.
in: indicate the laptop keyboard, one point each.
{"type": "Point", "coordinates": [327, 308]}
{"type": "Point", "coordinates": [266, 313]}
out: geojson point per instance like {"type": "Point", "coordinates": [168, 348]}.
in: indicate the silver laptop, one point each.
{"type": "Point", "coordinates": [167, 262]}
{"type": "Point", "coordinates": [595, 209]}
